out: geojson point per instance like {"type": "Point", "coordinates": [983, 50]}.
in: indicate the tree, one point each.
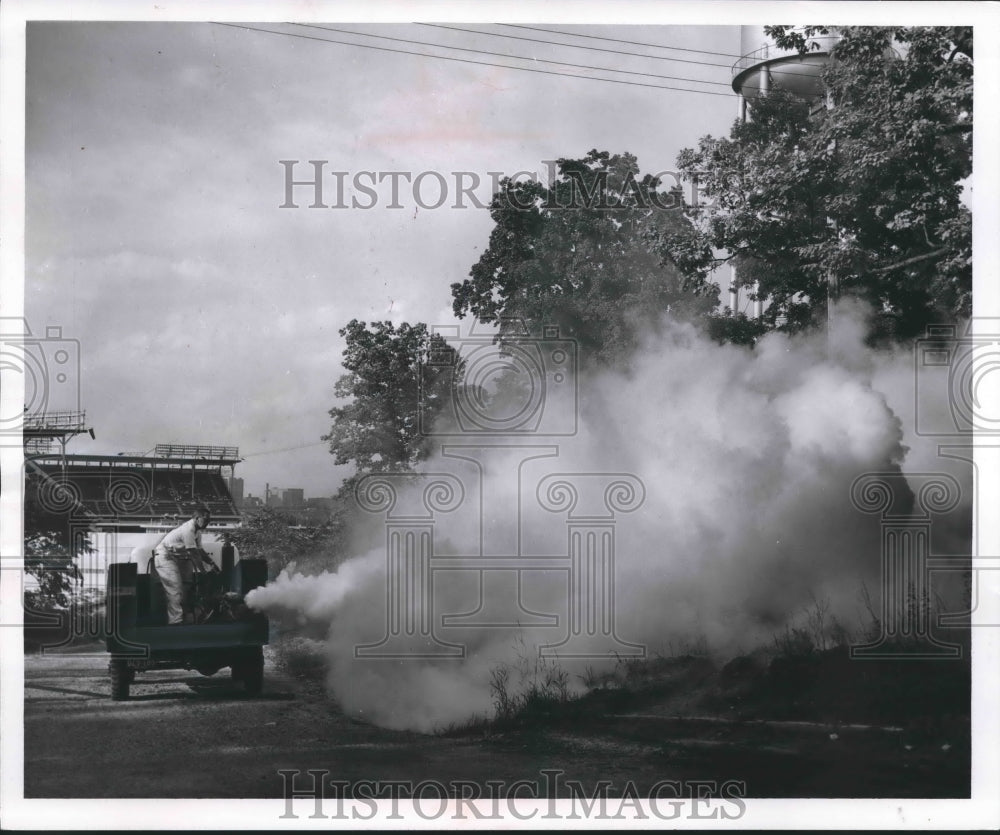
{"type": "Point", "coordinates": [269, 534]}
{"type": "Point", "coordinates": [53, 566]}
{"type": "Point", "coordinates": [400, 380]}
{"type": "Point", "coordinates": [580, 253]}
{"type": "Point", "coordinates": [734, 328]}
{"type": "Point", "coordinates": [861, 196]}
{"type": "Point", "coordinates": [55, 536]}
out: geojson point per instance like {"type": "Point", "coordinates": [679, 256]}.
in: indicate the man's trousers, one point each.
{"type": "Point", "coordinates": [177, 575]}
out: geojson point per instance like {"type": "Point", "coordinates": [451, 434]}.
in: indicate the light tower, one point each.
{"type": "Point", "coordinates": [41, 430]}
{"type": "Point", "coordinates": [764, 66]}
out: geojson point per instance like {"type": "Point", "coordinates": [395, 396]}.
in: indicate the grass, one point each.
{"type": "Point", "coordinates": [530, 690]}
{"type": "Point", "coordinates": [806, 672]}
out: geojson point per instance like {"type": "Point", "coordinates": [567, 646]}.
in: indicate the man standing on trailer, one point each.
{"type": "Point", "coordinates": [179, 556]}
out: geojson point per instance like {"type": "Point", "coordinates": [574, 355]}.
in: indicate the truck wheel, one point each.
{"type": "Point", "coordinates": [121, 677]}
{"type": "Point", "coordinates": [253, 672]}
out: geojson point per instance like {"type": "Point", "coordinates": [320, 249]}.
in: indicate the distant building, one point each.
{"type": "Point", "coordinates": [236, 490]}
{"type": "Point", "coordinates": [292, 502]}
{"type": "Point", "coordinates": [320, 504]}
{"type": "Point", "coordinates": [293, 497]}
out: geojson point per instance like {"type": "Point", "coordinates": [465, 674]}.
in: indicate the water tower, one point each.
{"type": "Point", "coordinates": [764, 66]}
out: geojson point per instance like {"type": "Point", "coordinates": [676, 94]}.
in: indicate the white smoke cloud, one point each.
{"type": "Point", "coordinates": [747, 459]}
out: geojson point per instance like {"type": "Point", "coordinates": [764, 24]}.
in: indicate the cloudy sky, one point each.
{"type": "Point", "coordinates": [207, 314]}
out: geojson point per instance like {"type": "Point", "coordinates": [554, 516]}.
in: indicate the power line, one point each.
{"type": "Point", "coordinates": [469, 60]}
{"type": "Point", "coordinates": [618, 40]}
{"type": "Point", "coordinates": [285, 449]}
{"type": "Point", "coordinates": [515, 57]}
{"type": "Point", "coordinates": [600, 49]}
{"type": "Point", "coordinates": [576, 46]}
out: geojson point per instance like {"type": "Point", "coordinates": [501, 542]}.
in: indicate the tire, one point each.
{"type": "Point", "coordinates": [121, 678]}
{"type": "Point", "coordinates": [252, 670]}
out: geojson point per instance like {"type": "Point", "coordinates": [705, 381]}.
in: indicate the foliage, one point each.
{"type": "Point", "coordinates": [530, 690]}
{"type": "Point", "coordinates": [580, 253]}
{"type": "Point", "coordinates": [738, 329]}
{"type": "Point", "coordinates": [269, 534]}
{"type": "Point", "coordinates": [400, 379]}
{"type": "Point", "coordinates": [53, 541]}
{"type": "Point", "coordinates": [862, 194]}
{"type": "Point", "coordinates": [53, 566]}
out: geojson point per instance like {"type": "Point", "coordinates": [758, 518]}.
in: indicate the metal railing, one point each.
{"type": "Point", "coordinates": [39, 446]}
{"type": "Point", "coordinates": [214, 453]}
{"type": "Point", "coordinates": [56, 420]}
{"type": "Point", "coordinates": [769, 51]}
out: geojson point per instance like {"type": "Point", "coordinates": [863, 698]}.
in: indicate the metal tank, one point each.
{"type": "Point", "coordinates": [763, 66]}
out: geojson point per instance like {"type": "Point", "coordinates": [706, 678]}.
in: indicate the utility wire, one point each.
{"type": "Point", "coordinates": [285, 449]}
{"type": "Point", "coordinates": [618, 40]}
{"type": "Point", "coordinates": [513, 57]}
{"type": "Point", "coordinates": [469, 60]}
{"type": "Point", "coordinates": [600, 49]}
{"type": "Point", "coordinates": [576, 46]}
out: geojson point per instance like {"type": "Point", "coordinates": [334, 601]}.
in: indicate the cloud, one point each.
{"type": "Point", "coordinates": [155, 238]}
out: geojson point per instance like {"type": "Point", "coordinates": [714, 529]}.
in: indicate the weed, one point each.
{"type": "Point", "coordinates": [530, 687]}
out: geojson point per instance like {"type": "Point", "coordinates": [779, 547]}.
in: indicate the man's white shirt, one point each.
{"type": "Point", "coordinates": [181, 538]}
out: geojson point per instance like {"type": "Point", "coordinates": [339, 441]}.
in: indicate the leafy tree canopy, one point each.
{"type": "Point", "coordinates": [269, 534]}
{"type": "Point", "coordinates": [399, 380]}
{"type": "Point", "coordinates": [53, 542]}
{"type": "Point", "coordinates": [52, 564]}
{"type": "Point", "coordinates": [864, 188]}
{"type": "Point", "coordinates": [581, 253]}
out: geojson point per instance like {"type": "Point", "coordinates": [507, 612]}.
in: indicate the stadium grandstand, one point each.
{"type": "Point", "coordinates": [120, 502]}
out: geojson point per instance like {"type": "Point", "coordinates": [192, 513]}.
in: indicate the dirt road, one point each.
{"type": "Point", "coordinates": [182, 735]}
{"type": "Point", "coordinates": [186, 735]}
